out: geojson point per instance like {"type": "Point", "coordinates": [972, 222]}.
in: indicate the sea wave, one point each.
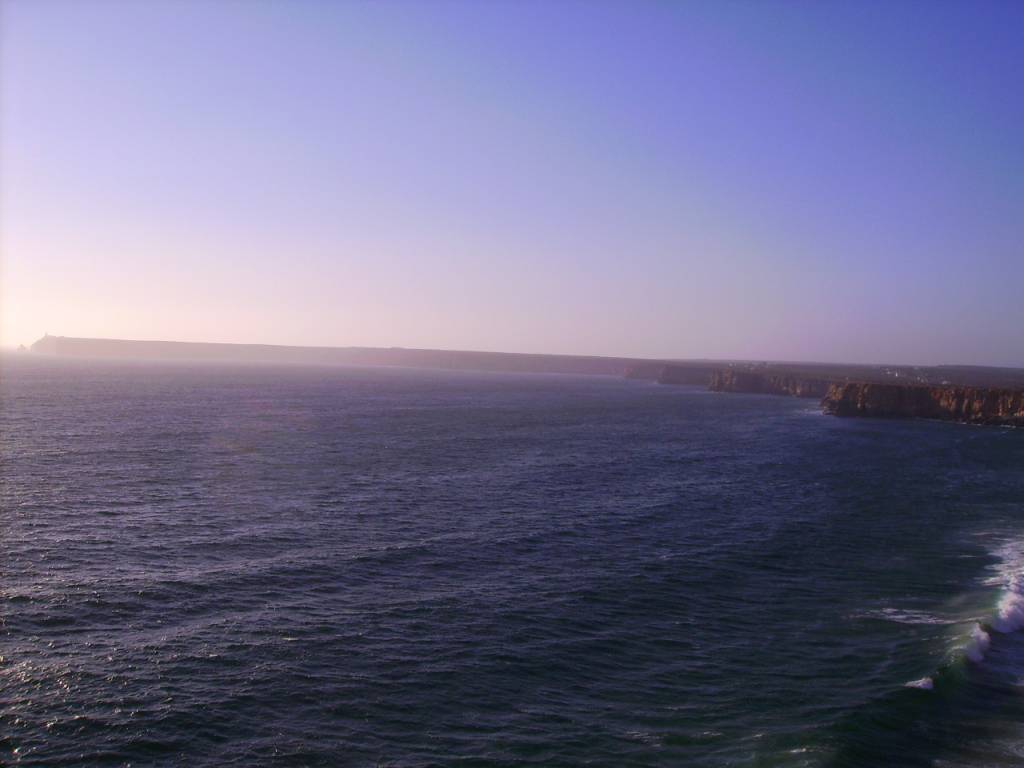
{"type": "Point", "coordinates": [1008, 617]}
{"type": "Point", "coordinates": [977, 644]}
{"type": "Point", "coordinates": [1008, 575]}
{"type": "Point", "coordinates": [925, 683]}
{"type": "Point", "coordinates": [901, 616]}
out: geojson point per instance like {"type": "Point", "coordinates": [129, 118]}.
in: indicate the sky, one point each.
{"type": "Point", "coordinates": [770, 180]}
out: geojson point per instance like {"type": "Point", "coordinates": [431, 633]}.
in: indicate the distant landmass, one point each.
{"type": "Point", "coordinates": [67, 346]}
{"type": "Point", "coordinates": [973, 394]}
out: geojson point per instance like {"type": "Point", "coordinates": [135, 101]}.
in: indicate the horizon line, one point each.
{"type": "Point", "coordinates": [630, 358]}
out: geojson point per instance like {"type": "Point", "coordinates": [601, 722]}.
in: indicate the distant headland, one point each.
{"type": "Point", "coordinates": [970, 394]}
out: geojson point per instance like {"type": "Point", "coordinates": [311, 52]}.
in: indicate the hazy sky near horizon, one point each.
{"type": "Point", "coordinates": [781, 180]}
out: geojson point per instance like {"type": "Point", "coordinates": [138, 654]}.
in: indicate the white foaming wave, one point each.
{"type": "Point", "coordinates": [1010, 616]}
{"type": "Point", "coordinates": [1011, 563]}
{"type": "Point", "coordinates": [909, 617]}
{"type": "Point", "coordinates": [977, 644]}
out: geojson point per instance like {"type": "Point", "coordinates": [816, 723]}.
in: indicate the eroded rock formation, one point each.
{"type": "Point", "coordinates": [973, 405]}
{"type": "Point", "coordinates": [730, 380]}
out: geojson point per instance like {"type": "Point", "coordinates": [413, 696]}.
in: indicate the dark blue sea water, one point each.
{"type": "Point", "coordinates": [254, 566]}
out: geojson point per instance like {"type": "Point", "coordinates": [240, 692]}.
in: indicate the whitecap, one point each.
{"type": "Point", "coordinates": [909, 617]}
{"type": "Point", "coordinates": [977, 645]}
{"type": "Point", "coordinates": [1010, 616]}
{"type": "Point", "coordinates": [925, 684]}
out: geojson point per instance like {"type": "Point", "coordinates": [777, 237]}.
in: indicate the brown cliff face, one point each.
{"type": "Point", "coordinates": [972, 405]}
{"type": "Point", "coordinates": [728, 380]}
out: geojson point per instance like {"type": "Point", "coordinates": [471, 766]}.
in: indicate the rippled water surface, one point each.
{"type": "Point", "coordinates": [254, 566]}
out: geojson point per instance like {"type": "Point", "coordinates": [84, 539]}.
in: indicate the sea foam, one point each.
{"type": "Point", "coordinates": [977, 645]}
{"type": "Point", "coordinates": [1010, 616]}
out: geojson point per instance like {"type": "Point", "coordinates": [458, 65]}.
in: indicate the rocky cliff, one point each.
{"type": "Point", "coordinates": [767, 383]}
{"type": "Point", "coordinates": [973, 405]}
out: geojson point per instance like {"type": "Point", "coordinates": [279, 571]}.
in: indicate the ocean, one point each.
{"type": "Point", "coordinates": [270, 566]}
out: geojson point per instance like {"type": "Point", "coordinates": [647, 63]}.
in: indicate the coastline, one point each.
{"type": "Point", "coordinates": [986, 396]}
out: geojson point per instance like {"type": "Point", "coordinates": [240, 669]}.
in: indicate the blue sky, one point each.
{"type": "Point", "coordinates": [816, 181]}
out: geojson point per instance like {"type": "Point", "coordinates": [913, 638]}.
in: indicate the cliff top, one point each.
{"type": "Point", "coordinates": [932, 376]}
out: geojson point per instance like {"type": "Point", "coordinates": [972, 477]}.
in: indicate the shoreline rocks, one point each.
{"type": "Point", "coordinates": [969, 405]}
